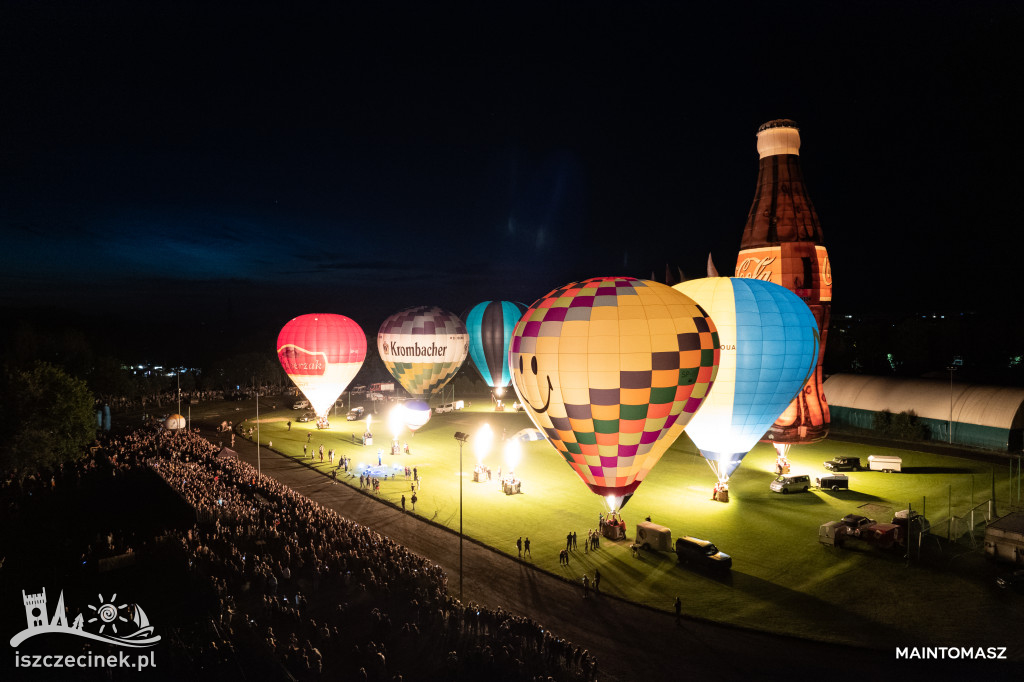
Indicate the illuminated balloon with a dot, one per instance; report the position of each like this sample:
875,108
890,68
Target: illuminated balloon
417,414
490,326
423,348
769,346
606,368
321,353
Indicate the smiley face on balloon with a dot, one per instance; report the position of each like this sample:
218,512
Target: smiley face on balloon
606,368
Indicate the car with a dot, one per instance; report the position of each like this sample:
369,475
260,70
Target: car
856,522
787,483
701,553
308,417
1014,580
843,464
301,405
354,414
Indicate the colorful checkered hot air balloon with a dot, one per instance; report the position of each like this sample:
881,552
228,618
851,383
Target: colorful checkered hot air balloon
321,353
608,369
769,349
423,348
490,326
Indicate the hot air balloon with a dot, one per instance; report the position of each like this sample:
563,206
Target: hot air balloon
769,344
423,348
417,414
490,326
606,368
321,353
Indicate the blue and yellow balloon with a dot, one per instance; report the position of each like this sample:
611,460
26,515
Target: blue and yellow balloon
769,349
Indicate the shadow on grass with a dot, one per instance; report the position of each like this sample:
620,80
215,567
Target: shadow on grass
851,495
832,621
785,501
938,470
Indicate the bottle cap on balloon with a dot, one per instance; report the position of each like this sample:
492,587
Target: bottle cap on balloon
780,136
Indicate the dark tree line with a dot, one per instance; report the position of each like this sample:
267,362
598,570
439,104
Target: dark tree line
989,345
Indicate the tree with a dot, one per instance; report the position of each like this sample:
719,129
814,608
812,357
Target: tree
46,418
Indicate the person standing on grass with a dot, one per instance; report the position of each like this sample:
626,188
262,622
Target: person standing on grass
414,498
403,502
679,610
519,546
597,581
526,548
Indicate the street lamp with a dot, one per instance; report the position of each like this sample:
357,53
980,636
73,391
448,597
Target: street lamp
259,468
462,438
951,368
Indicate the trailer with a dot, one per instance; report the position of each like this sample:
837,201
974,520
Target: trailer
886,463
1004,538
652,536
832,533
834,482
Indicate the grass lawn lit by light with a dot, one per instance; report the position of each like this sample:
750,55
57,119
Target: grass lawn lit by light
782,579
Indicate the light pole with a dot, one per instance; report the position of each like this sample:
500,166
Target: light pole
462,438
951,368
259,469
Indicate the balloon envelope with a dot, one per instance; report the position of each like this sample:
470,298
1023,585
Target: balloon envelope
490,325
423,348
606,368
321,353
417,414
769,344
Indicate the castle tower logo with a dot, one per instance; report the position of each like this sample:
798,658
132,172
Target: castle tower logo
107,621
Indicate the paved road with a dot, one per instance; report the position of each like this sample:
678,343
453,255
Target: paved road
631,642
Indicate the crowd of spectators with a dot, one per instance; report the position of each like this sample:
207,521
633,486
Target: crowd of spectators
161,399
302,592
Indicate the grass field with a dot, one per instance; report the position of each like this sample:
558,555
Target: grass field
782,579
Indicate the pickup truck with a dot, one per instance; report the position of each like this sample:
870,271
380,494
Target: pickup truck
883,535
843,464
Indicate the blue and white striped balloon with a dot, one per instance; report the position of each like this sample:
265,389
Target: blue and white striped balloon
769,349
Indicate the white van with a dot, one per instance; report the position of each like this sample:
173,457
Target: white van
886,463
788,483
301,405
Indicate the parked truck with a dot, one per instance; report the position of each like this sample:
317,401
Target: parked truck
883,535
843,464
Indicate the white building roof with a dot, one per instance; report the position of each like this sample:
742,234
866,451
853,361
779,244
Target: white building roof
995,406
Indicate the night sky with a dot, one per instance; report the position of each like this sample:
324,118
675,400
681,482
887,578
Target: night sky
234,167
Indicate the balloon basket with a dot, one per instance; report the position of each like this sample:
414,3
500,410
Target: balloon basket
720,494
613,527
